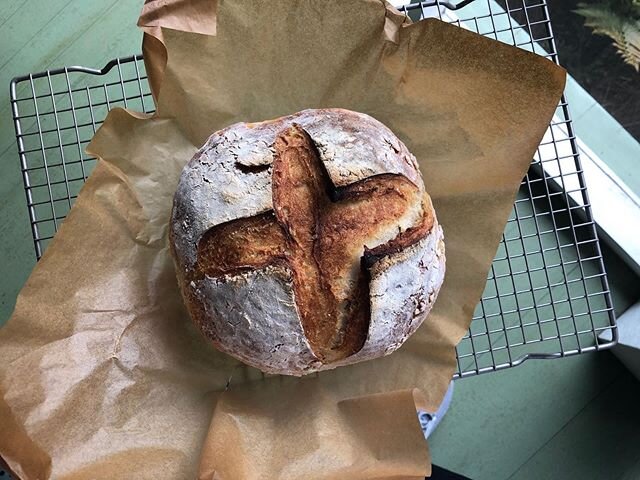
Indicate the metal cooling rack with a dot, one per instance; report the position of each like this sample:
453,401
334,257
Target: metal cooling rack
547,294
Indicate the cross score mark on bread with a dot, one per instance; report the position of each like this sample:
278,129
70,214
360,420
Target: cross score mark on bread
319,232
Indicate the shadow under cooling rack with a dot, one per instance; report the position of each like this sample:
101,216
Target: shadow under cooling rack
546,295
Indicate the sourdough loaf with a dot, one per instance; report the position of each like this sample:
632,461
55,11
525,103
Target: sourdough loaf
306,242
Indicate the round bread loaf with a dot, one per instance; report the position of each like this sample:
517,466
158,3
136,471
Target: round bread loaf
306,242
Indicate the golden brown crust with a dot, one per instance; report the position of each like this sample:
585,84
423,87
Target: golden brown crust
300,195
405,239
239,245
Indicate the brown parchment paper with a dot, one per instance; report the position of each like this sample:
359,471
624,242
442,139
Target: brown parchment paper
104,375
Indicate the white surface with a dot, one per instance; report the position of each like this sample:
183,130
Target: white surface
616,209
628,348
